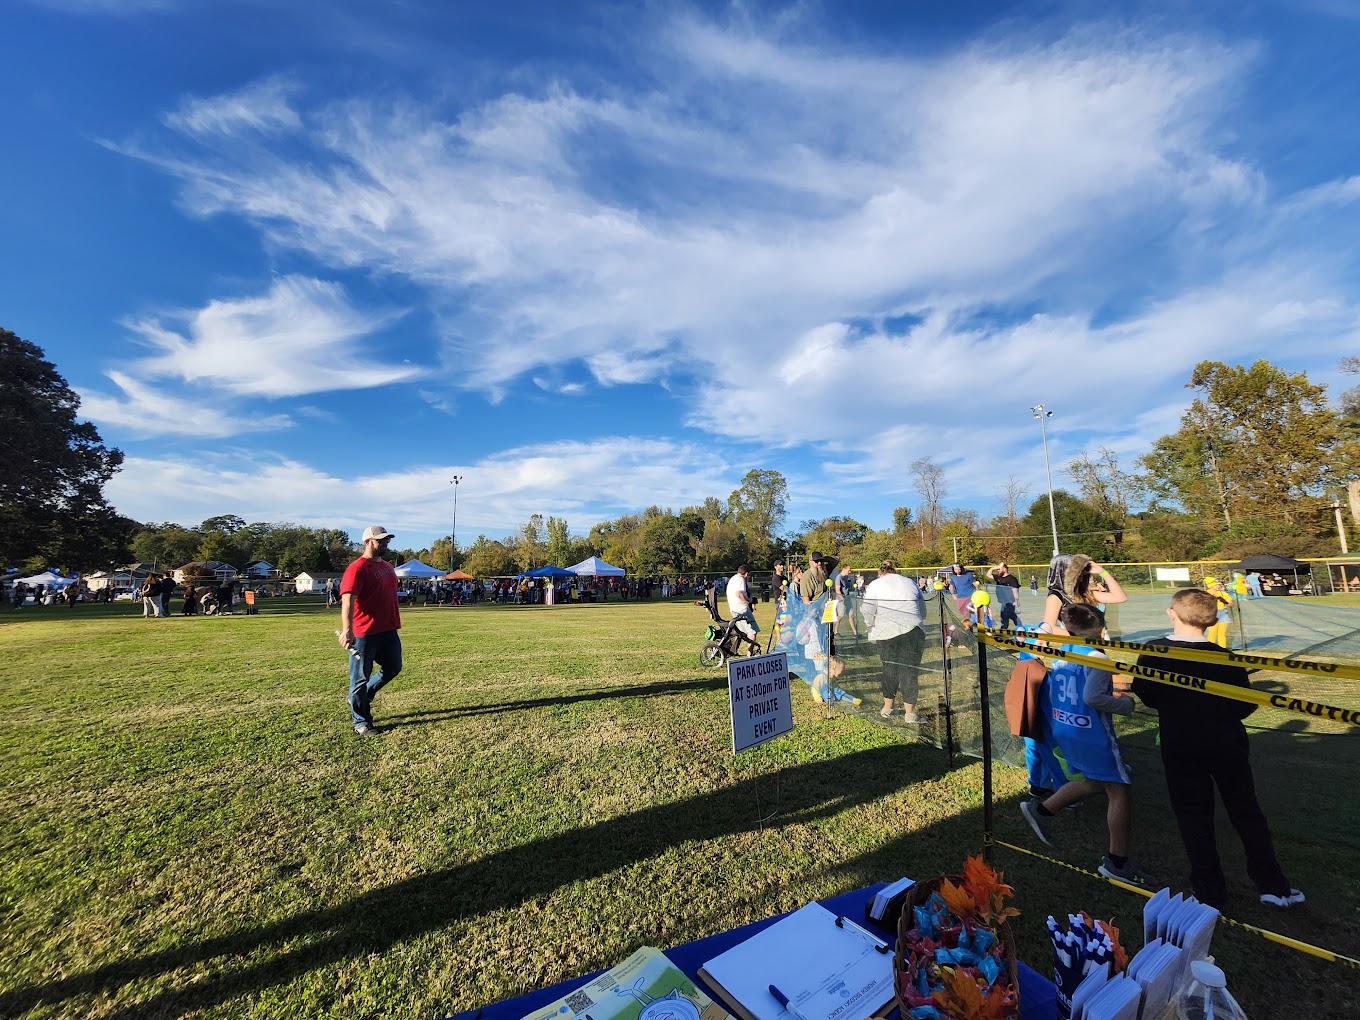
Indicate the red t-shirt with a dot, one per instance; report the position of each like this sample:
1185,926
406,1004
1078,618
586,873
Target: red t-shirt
373,583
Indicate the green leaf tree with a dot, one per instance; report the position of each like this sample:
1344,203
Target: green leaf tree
53,467
487,557
666,547
1253,438
559,543
757,508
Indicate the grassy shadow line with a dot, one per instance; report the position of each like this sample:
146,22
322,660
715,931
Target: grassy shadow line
376,920
603,694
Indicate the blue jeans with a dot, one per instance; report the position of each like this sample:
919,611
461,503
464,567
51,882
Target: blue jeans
384,649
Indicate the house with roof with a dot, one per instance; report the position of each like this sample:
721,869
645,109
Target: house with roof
206,568
315,580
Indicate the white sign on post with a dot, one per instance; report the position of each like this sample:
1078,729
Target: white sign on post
762,707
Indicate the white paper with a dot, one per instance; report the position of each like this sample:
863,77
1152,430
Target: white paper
829,973
1151,909
1090,985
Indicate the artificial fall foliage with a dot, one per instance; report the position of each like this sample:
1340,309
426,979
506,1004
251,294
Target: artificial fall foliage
1121,955
988,892
961,997
960,923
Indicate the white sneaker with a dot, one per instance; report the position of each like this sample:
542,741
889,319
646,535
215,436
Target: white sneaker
910,717
886,712
1294,898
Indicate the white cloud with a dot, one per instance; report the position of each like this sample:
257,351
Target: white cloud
146,411
741,219
776,189
581,481
303,336
262,107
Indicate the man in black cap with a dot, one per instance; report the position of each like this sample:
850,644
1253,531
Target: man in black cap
777,583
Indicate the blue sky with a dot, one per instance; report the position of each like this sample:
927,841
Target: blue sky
308,261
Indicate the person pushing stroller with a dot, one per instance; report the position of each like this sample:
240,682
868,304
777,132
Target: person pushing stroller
741,608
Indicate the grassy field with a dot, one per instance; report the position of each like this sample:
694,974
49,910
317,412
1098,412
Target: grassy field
193,828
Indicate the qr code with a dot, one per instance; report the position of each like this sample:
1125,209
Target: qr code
579,1002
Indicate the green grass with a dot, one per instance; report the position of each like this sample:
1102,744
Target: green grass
193,829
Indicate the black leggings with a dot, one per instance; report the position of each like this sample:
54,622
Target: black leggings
901,658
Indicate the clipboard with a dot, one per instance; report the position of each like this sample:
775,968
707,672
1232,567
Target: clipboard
814,960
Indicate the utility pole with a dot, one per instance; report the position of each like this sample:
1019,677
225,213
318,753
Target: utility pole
1043,414
1341,529
453,535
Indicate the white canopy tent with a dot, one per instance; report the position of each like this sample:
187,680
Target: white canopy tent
414,568
48,577
596,567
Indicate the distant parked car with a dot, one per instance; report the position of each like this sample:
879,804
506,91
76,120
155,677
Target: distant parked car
125,596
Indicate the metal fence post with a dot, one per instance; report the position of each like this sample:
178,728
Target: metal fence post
948,704
986,749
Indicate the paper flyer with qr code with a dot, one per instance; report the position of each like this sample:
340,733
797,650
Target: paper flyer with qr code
646,986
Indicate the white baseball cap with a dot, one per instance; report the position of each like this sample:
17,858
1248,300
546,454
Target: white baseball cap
377,533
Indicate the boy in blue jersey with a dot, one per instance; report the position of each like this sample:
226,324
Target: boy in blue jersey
1082,705
1045,771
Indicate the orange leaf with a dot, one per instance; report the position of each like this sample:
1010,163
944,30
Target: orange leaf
958,902
960,996
997,1005
988,891
1121,956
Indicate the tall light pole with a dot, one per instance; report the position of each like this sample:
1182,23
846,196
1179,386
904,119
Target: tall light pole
453,535
1043,414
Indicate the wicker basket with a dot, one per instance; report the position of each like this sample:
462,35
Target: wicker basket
917,896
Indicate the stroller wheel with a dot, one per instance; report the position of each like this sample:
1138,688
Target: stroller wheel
712,655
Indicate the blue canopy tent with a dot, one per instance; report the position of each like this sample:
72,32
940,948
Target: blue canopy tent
548,572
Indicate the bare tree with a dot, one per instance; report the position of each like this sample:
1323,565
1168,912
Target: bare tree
1104,485
929,482
1008,524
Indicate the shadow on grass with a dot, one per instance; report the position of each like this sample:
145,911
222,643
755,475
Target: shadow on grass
376,920
433,715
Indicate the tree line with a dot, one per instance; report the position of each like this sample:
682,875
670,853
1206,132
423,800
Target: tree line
1258,462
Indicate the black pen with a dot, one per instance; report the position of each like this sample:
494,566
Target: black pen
845,924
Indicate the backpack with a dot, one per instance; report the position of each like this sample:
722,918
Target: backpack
1022,697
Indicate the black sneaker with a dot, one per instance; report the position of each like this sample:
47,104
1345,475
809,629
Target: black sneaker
1128,873
1037,822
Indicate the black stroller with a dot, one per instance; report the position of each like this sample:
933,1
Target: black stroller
724,638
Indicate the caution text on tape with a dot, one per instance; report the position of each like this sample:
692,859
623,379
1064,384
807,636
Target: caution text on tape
1283,702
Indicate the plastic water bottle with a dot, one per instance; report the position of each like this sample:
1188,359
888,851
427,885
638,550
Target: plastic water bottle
1207,996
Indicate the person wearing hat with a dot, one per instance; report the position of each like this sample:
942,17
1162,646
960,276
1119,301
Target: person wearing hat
369,622
812,584
777,582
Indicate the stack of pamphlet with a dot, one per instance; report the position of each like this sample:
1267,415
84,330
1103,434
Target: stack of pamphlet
646,986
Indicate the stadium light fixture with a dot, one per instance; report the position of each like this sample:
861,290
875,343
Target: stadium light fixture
1043,414
453,535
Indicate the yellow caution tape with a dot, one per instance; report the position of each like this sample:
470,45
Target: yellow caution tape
1276,937
1298,706
1278,664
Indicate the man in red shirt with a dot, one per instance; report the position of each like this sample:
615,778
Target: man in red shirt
369,622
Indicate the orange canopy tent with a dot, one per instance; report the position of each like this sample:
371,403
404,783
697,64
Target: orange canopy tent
459,575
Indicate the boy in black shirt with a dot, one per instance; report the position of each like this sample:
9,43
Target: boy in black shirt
1205,744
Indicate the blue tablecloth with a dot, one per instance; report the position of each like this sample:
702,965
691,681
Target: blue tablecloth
1038,999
